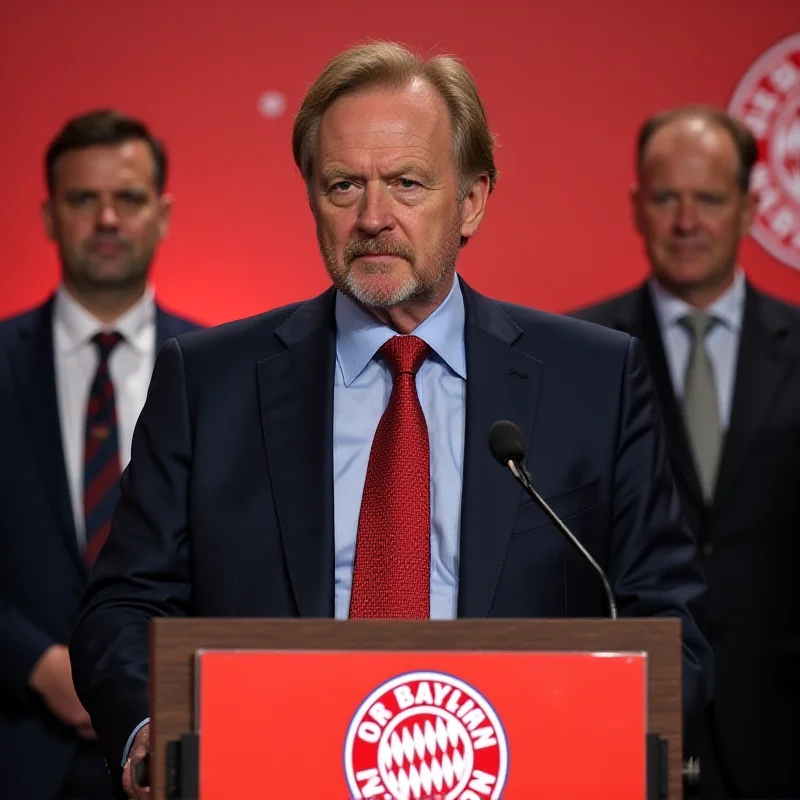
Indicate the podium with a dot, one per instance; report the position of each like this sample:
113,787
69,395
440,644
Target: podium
469,709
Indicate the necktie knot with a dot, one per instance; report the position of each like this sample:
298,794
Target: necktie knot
405,354
698,323
106,342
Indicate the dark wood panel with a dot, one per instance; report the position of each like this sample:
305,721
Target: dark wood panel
175,641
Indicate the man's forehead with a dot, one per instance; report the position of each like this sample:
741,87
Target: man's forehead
379,144
127,161
385,125
688,140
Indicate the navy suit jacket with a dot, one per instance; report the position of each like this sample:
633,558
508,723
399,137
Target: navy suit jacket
42,573
227,506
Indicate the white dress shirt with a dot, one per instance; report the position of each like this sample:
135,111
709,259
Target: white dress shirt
130,367
722,341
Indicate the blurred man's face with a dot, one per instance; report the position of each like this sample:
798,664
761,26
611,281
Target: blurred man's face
385,197
106,216
689,207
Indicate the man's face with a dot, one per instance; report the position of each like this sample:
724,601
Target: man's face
689,207
385,196
106,216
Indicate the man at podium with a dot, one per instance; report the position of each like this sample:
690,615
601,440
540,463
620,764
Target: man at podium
331,458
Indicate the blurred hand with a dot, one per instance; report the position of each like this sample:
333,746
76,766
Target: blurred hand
139,748
51,677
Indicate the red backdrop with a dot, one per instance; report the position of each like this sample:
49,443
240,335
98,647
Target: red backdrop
565,84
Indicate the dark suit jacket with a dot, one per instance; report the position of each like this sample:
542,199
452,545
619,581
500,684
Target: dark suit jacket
42,574
227,507
749,538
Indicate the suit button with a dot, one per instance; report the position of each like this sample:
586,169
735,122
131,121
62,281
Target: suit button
708,549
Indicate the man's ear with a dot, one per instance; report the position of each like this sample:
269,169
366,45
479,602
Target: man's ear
473,206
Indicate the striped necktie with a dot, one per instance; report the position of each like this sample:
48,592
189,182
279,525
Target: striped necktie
101,464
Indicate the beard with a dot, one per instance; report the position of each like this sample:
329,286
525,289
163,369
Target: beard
423,281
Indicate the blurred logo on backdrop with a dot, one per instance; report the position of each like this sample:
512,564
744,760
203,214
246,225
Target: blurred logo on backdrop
426,735
767,100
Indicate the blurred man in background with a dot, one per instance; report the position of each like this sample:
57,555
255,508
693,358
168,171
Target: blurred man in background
726,364
74,373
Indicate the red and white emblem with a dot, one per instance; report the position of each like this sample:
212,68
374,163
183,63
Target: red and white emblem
767,100
425,735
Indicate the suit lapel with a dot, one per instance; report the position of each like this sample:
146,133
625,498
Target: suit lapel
33,366
296,401
761,368
502,383
643,324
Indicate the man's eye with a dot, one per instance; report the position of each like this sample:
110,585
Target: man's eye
133,198
660,198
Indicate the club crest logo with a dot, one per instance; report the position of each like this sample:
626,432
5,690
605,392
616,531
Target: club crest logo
425,735
767,100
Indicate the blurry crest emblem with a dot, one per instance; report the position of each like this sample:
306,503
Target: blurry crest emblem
425,736
767,100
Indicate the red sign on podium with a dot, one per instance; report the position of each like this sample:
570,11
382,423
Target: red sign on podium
416,725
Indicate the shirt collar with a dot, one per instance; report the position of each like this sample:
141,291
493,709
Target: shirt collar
77,325
360,334
728,307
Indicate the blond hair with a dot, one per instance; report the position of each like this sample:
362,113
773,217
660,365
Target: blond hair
391,65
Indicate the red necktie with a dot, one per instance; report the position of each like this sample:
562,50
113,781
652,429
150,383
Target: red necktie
392,569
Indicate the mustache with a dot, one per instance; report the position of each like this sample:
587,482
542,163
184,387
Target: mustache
377,247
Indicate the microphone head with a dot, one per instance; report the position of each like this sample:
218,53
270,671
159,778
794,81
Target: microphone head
506,442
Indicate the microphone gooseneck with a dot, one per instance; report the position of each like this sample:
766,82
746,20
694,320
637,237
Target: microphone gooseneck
507,444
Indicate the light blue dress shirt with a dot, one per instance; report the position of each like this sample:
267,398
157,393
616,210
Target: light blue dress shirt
722,341
362,386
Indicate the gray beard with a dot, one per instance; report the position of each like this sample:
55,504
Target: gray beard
410,291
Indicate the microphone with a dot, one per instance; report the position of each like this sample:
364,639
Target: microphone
507,444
